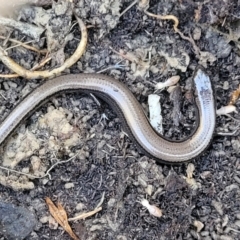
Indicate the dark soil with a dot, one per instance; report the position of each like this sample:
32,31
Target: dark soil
109,167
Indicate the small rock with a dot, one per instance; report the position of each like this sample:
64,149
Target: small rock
142,180
36,163
149,190
226,85
225,237
231,187
121,237
16,223
69,185
199,225
218,206
12,84
44,219
197,33
236,145
52,223
111,202
80,206
225,221
206,174
237,223
205,233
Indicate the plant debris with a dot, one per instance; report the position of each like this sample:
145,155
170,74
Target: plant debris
60,216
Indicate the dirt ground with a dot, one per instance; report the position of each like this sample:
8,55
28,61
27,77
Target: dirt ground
106,169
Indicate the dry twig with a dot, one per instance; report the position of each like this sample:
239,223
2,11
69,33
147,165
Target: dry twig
166,17
43,51
15,67
175,27
85,215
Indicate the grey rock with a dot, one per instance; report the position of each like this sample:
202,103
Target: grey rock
16,223
218,45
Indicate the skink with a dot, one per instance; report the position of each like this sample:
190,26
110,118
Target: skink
129,111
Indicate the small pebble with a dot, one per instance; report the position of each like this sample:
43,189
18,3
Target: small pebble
36,163
12,84
199,225
225,237
237,215
80,206
149,190
205,233
197,33
237,223
52,223
69,185
218,206
44,219
226,85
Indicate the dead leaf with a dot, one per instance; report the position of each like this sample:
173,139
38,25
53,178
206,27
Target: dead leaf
234,96
60,216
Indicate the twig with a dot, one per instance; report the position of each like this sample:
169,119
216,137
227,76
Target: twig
37,66
85,215
116,66
15,67
125,10
24,45
234,119
3,96
175,27
228,133
166,17
41,64
13,75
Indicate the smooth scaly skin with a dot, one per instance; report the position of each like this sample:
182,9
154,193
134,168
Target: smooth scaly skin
130,111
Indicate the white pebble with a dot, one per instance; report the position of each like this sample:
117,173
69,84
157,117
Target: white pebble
155,112
199,225
69,185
